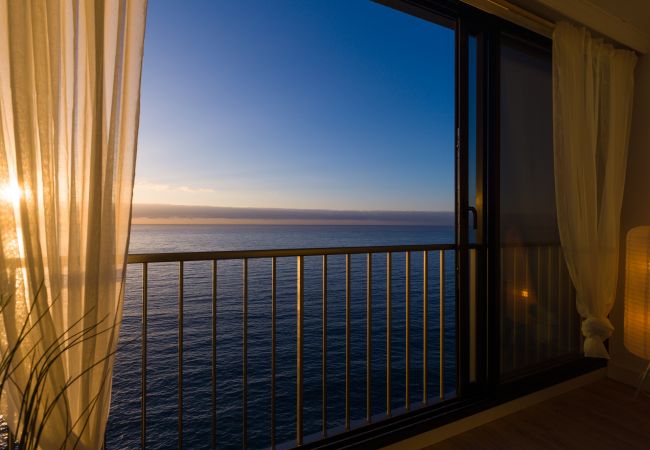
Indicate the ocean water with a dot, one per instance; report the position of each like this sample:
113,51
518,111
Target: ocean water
162,367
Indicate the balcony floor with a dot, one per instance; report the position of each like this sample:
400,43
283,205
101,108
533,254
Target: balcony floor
602,415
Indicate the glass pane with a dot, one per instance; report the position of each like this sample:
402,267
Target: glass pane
539,321
311,124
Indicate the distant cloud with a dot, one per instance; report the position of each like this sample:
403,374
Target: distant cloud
157,213
159,187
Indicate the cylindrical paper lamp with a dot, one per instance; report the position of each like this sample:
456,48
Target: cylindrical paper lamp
637,292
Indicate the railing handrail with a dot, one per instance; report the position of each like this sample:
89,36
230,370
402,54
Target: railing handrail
139,258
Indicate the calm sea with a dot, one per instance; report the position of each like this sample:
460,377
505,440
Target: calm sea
124,422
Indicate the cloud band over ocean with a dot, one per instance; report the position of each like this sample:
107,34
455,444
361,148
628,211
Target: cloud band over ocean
180,214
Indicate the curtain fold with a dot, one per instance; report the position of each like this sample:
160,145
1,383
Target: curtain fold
593,85
69,107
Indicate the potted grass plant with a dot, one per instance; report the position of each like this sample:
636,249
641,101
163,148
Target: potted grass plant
29,412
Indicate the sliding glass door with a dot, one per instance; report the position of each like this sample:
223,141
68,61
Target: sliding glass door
516,302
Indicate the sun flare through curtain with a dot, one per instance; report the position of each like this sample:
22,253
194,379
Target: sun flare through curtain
593,85
69,107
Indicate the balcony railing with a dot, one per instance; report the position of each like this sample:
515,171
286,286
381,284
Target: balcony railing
435,252
538,316
383,285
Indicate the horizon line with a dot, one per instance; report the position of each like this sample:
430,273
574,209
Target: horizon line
151,213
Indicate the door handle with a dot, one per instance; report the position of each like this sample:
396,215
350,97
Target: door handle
474,217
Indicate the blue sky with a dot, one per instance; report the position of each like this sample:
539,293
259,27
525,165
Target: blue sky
325,104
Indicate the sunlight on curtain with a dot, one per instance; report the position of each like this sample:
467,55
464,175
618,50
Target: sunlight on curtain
69,106
593,84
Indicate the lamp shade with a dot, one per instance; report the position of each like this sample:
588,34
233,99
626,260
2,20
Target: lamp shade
637,292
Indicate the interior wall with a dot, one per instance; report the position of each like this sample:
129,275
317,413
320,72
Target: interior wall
623,365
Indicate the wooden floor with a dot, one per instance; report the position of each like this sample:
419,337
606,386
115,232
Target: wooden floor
602,415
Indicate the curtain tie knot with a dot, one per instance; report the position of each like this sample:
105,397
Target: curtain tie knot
596,330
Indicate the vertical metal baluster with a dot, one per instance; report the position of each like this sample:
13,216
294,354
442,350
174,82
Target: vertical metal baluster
559,308
214,354
143,382
515,308
502,309
347,342
369,340
273,344
299,347
389,264
425,321
549,290
442,324
180,354
526,304
324,351
245,356
569,306
407,393
538,309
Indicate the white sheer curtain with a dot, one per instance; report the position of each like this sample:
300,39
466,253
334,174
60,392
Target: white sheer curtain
69,106
593,85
